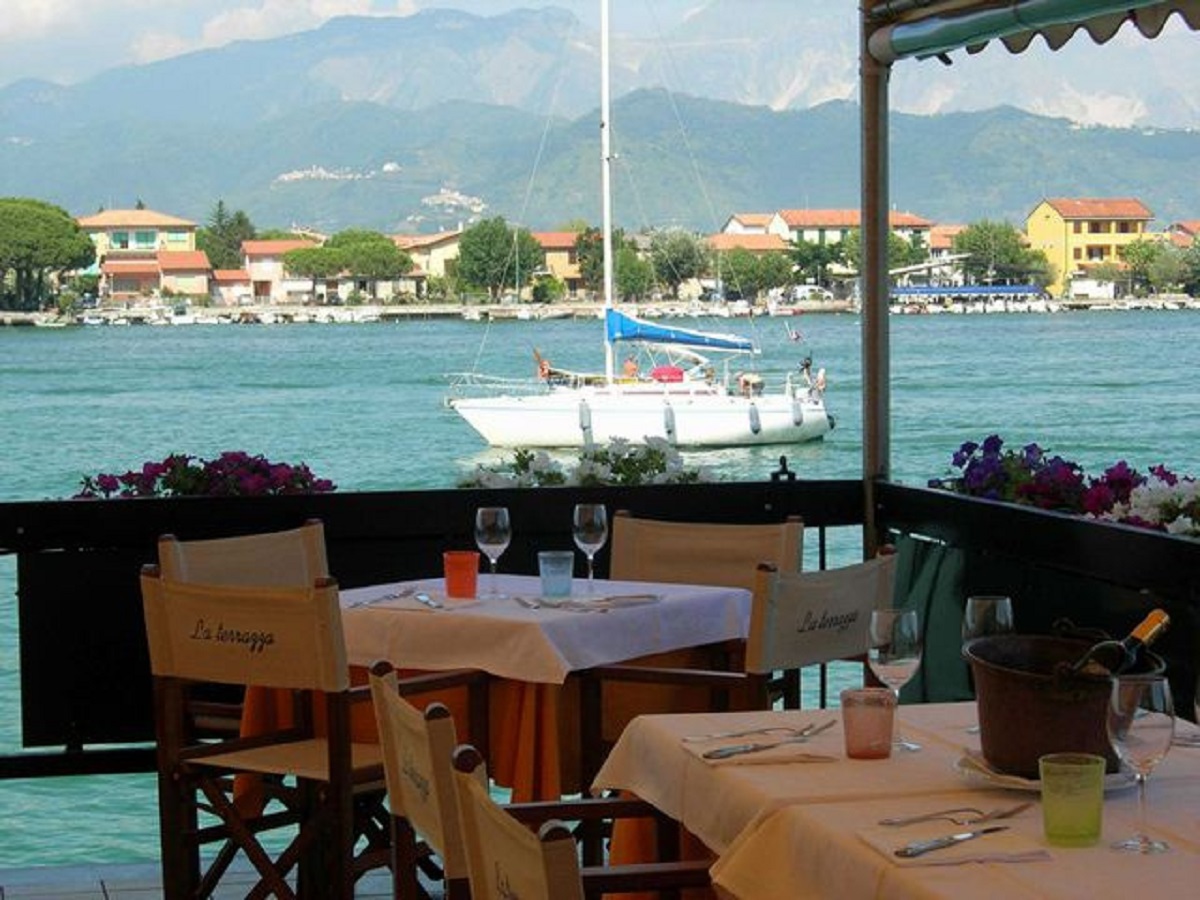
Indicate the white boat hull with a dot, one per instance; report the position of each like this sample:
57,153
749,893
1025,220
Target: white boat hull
573,418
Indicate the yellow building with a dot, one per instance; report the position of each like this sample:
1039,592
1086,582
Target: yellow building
561,258
1079,233
137,233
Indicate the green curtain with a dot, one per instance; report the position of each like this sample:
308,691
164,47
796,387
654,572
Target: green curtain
930,579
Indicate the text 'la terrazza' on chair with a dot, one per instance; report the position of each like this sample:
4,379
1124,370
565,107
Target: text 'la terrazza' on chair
319,785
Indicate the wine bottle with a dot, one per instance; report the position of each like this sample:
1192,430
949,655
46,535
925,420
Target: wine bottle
1114,657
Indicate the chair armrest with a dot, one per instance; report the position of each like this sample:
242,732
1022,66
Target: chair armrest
646,877
434,681
585,808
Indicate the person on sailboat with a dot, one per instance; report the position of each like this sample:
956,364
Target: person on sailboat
630,368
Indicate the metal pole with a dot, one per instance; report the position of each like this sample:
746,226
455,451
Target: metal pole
606,183
876,356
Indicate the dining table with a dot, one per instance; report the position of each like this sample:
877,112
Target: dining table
801,820
531,644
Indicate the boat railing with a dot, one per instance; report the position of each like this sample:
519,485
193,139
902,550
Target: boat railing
474,384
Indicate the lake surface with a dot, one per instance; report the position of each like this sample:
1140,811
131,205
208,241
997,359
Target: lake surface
363,405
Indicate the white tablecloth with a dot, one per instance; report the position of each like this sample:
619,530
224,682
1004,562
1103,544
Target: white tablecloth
543,645
797,830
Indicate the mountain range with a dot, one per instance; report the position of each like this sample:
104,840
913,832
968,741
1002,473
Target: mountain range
428,121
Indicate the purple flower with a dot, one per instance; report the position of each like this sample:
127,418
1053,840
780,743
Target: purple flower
232,473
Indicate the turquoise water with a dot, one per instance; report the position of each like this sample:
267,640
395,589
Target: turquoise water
362,404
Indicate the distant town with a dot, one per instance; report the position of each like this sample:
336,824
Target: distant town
155,268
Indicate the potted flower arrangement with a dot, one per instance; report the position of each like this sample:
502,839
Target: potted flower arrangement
234,473
1158,499
618,463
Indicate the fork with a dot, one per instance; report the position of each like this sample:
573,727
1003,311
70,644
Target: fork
739,749
382,598
768,729
963,815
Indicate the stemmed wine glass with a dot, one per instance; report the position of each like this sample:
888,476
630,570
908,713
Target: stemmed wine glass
983,616
590,530
1141,724
894,654
492,536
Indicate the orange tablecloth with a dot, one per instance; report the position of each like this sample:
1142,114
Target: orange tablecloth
530,736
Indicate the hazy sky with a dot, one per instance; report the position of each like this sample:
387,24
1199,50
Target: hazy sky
69,40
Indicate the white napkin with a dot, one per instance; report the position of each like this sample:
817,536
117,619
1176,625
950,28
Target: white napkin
784,753
1002,846
972,763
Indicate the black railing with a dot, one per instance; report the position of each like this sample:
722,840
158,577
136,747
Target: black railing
84,671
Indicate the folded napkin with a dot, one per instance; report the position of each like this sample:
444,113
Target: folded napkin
974,767
1002,846
783,753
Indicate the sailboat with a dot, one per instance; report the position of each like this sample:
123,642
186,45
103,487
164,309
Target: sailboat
683,398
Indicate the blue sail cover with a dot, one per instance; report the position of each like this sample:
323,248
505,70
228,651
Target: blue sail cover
624,327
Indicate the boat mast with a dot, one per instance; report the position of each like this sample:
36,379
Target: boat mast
606,186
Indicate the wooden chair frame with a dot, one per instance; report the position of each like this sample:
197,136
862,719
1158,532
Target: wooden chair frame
549,856
330,788
776,643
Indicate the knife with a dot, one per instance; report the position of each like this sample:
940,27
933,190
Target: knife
916,848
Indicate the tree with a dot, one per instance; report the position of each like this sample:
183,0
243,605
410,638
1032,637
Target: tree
37,241
633,275
547,289
589,250
1167,270
811,260
370,256
1140,256
1191,270
901,251
1106,273
315,263
997,254
221,239
677,256
495,257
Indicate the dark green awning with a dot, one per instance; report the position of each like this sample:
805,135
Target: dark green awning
924,28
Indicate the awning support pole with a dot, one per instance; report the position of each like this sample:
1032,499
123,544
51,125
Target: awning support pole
876,355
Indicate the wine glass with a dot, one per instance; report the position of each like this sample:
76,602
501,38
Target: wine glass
894,654
1141,724
590,530
492,536
983,616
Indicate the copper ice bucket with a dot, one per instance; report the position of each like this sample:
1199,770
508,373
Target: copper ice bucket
1030,703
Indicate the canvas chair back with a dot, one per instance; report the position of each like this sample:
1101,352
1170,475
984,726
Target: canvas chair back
504,857
295,557
417,749
283,637
701,552
800,619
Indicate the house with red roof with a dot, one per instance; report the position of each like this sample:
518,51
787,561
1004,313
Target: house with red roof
129,244
230,287
1183,234
830,226
560,258
1079,233
270,282
433,255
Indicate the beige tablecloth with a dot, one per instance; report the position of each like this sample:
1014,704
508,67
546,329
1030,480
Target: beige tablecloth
804,830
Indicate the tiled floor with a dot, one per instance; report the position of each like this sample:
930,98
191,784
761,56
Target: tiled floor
135,882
